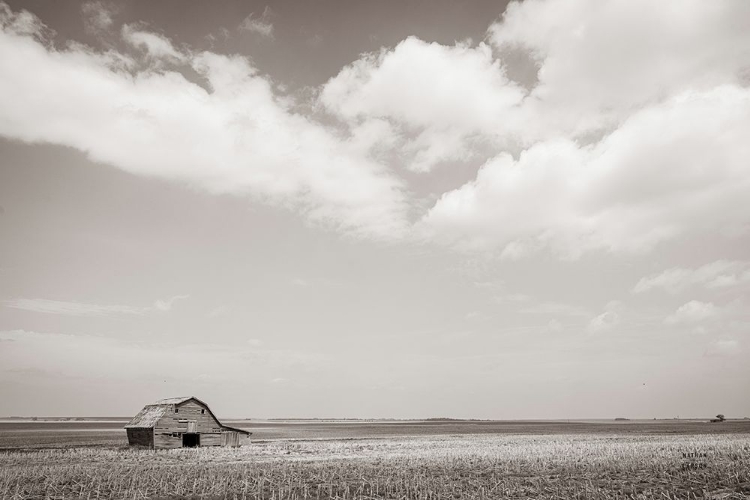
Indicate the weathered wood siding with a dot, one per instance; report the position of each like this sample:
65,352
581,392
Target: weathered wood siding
230,438
170,427
211,439
166,441
141,437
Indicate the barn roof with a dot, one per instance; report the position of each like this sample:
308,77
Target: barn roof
235,429
150,414
173,401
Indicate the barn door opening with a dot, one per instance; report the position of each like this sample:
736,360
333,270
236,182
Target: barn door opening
191,440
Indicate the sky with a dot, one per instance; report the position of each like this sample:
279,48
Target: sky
467,209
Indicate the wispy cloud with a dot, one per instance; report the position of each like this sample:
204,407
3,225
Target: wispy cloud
261,25
66,308
157,46
608,320
692,312
604,322
717,274
723,347
98,16
475,316
166,305
84,355
219,310
72,308
315,40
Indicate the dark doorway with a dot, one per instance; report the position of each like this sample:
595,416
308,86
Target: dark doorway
190,440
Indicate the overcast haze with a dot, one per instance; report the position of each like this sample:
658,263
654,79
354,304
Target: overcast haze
376,209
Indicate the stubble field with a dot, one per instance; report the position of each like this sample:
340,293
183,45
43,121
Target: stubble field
645,462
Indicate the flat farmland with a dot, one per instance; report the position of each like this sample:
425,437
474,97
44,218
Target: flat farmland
21,434
386,459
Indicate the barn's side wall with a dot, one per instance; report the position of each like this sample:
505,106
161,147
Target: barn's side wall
166,441
230,438
170,427
141,437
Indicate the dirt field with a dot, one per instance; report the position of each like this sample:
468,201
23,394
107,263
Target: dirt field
408,460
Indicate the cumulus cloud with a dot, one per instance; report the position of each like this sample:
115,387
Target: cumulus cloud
692,312
236,136
718,274
600,61
439,97
671,169
632,134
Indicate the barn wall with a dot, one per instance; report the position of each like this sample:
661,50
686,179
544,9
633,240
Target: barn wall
168,429
141,437
170,421
167,441
211,439
230,438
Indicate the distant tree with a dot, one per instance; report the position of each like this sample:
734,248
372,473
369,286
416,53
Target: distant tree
720,417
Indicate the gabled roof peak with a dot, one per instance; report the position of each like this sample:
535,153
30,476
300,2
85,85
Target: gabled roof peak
174,401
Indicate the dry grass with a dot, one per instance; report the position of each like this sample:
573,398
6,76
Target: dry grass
573,466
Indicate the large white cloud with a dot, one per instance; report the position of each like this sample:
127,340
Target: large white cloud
632,135
670,169
599,61
235,137
439,96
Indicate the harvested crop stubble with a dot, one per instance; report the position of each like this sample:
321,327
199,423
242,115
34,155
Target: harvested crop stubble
487,466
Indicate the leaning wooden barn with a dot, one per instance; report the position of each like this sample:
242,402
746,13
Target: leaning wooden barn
180,423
